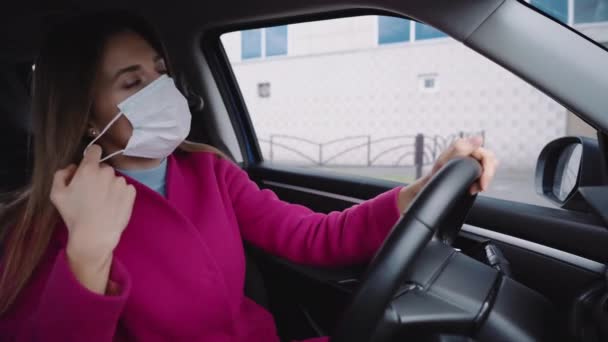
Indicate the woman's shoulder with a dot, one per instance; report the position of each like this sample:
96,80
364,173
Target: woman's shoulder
204,156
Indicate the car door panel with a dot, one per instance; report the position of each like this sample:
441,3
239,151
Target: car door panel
537,242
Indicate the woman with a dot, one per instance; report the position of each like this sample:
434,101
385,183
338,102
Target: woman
142,235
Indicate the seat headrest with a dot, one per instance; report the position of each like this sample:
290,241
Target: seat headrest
15,104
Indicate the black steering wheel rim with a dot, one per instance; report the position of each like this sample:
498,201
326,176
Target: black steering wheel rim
440,200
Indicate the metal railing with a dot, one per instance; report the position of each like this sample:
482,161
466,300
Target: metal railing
406,150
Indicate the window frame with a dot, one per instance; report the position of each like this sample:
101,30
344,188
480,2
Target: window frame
251,149
566,25
228,85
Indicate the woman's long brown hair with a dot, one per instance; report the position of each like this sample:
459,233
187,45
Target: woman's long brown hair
62,98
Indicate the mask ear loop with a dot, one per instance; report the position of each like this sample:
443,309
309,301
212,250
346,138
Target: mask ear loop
111,155
99,136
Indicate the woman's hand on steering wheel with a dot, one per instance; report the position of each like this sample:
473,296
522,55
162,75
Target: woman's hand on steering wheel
463,147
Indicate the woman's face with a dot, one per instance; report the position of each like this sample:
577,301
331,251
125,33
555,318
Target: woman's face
128,64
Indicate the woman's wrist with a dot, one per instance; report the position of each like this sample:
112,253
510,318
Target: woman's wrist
91,269
409,192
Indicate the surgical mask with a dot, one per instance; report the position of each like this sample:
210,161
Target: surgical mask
160,117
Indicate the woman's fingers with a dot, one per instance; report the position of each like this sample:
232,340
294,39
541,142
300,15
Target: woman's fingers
476,140
475,188
471,147
488,163
462,147
62,179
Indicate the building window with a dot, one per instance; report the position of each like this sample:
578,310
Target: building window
427,32
251,44
393,30
590,11
396,30
276,41
428,83
267,42
558,9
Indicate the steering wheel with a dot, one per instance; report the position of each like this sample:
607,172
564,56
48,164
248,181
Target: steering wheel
436,213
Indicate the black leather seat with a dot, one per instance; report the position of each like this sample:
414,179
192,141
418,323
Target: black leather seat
15,127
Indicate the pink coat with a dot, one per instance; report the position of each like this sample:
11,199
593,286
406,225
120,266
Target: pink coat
179,268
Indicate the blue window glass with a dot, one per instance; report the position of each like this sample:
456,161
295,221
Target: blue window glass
276,41
427,32
251,44
558,9
590,11
393,30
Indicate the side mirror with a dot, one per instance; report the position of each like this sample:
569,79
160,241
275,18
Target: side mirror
566,172
566,165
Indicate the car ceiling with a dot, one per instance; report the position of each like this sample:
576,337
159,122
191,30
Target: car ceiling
23,26
554,59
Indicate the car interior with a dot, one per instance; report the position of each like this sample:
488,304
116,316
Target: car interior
454,268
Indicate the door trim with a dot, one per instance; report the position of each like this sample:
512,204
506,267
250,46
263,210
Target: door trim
557,254
569,258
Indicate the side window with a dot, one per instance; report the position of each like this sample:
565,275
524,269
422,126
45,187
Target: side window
382,97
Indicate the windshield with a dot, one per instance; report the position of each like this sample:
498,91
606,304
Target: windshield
589,17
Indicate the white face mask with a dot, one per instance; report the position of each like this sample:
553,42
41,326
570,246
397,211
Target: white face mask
160,117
